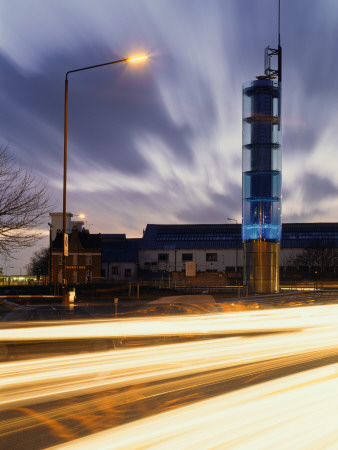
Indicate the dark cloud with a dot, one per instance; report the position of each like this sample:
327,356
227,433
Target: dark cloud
299,137
303,216
316,188
27,107
123,106
109,111
216,210
309,39
185,101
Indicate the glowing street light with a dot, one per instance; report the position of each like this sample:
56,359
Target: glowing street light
137,58
65,235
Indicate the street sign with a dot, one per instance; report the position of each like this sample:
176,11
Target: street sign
190,269
65,244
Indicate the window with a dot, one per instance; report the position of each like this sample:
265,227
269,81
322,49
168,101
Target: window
163,256
88,260
211,257
60,260
75,276
75,259
127,273
89,276
187,257
200,236
114,270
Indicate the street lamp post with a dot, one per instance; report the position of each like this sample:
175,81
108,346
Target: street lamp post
50,254
81,216
236,268
64,213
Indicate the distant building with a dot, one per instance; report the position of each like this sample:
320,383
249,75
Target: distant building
119,257
92,257
83,264
299,236
219,248
214,248
57,223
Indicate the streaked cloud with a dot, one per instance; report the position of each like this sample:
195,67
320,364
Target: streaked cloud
161,141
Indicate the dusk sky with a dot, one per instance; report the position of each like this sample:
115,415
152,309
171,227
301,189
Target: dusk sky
160,141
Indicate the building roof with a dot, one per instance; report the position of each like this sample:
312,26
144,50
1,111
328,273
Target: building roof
310,235
112,237
116,249
87,240
202,236
228,236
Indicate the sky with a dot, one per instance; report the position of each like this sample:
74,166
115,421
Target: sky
160,141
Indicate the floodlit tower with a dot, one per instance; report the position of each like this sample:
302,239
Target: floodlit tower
262,177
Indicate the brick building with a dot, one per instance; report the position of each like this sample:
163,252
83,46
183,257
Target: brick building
83,263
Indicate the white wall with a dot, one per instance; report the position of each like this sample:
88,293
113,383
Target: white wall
121,267
225,258
57,222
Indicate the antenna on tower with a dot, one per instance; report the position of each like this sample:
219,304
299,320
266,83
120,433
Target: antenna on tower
269,52
279,47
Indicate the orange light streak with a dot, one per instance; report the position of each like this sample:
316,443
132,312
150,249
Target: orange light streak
246,321
298,411
286,407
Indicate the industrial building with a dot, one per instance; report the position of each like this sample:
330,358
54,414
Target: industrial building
210,248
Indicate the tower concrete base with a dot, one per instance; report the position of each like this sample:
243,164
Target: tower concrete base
261,267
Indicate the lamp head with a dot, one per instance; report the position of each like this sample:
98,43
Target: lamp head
137,58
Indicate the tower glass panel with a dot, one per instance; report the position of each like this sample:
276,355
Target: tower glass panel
262,162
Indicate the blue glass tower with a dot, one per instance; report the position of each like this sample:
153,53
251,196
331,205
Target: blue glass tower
262,178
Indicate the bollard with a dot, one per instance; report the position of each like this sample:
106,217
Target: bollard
70,296
116,301
138,291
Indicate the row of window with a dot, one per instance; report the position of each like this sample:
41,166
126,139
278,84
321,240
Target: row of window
115,271
164,257
312,231
308,236
198,236
287,234
75,276
88,260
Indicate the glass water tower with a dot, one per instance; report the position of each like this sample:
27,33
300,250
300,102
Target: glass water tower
262,178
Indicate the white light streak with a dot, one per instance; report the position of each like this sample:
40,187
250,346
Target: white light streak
299,411
246,321
291,411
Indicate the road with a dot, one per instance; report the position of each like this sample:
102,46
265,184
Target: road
250,379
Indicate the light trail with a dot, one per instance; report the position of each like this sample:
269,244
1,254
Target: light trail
299,412
163,377
236,322
47,379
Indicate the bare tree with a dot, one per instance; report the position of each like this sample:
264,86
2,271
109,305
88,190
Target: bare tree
321,256
24,204
38,264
